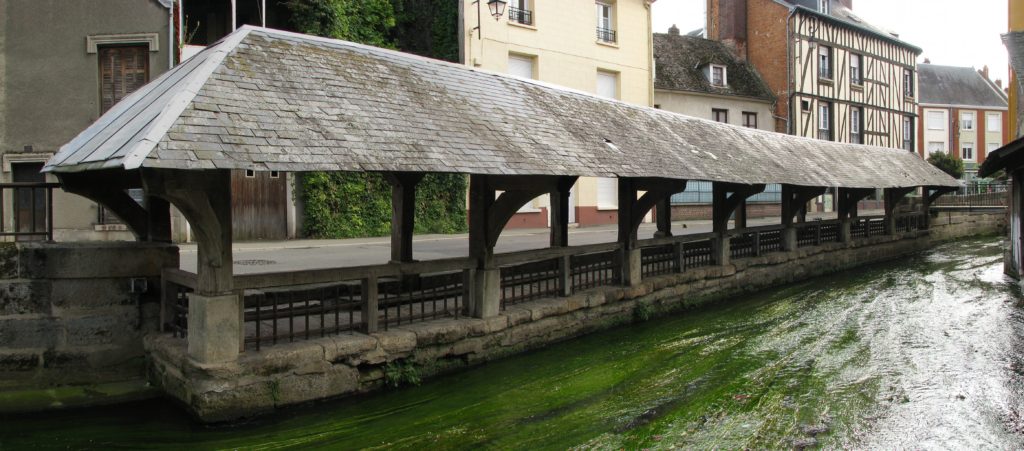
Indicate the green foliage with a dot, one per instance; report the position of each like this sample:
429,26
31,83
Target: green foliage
348,205
363,21
643,312
275,390
947,163
400,372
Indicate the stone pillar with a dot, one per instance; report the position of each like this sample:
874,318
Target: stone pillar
631,267
486,293
789,242
214,327
844,230
721,249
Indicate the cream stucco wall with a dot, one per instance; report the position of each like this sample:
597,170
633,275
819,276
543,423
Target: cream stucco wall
937,134
700,105
565,50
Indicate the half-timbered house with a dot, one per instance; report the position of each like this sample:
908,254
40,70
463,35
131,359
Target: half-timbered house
836,77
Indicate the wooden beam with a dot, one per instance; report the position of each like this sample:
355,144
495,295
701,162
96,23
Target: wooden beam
632,210
109,190
403,213
204,197
795,199
848,198
560,212
726,197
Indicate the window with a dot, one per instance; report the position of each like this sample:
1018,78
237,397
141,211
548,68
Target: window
607,84
605,31
718,75
967,120
519,12
908,133
275,174
993,122
908,82
856,76
250,173
805,106
825,121
967,151
936,120
749,119
856,121
123,69
823,6
825,62
720,115
521,66
991,147
936,147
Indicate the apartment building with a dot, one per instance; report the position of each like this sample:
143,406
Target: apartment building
603,47
964,114
836,77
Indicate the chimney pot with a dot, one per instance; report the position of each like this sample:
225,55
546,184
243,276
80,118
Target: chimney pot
999,83
984,71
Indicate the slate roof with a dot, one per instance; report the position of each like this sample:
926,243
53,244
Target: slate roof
846,17
1010,156
272,100
950,85
1014,42
679,66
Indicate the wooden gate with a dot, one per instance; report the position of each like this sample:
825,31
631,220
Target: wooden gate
259,205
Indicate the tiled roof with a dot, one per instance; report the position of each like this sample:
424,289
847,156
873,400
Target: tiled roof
272,100
680,62
949,85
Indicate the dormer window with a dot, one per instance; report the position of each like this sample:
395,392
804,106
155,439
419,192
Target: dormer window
718,76
823,6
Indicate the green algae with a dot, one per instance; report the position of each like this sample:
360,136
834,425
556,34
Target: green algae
911,353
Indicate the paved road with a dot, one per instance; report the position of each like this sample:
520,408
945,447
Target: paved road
297,255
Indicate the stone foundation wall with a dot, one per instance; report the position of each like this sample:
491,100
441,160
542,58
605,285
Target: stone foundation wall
282,375
69,314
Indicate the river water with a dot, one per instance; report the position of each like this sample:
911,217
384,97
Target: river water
925,352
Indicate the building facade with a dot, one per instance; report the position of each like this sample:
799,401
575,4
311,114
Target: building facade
836,77
64,64
601,47
963,113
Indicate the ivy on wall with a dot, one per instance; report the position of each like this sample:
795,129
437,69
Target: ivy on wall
347,205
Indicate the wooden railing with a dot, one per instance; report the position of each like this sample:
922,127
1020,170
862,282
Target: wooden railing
298,305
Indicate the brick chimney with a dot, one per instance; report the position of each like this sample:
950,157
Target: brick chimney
984,71
999,83
731,25
673,30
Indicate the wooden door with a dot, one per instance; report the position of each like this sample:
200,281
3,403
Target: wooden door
259,205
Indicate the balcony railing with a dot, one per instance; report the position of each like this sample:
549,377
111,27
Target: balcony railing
523,16
605,35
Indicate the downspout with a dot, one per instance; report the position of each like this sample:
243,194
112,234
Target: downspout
789,69
650,55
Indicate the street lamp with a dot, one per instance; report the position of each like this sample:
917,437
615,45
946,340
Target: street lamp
497,8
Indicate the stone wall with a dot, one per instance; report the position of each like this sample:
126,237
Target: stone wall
74,314
346,364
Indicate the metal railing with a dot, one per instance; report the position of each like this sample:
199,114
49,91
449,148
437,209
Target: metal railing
523,16
606,35
976,196
290,306
31,205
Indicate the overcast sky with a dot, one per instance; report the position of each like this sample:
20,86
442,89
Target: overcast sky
951,32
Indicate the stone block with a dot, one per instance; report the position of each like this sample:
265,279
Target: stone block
344,347
113,325
8,261
396,340
214,327
91,293
442,331
517,316
30,331
20,360
20,296
95,259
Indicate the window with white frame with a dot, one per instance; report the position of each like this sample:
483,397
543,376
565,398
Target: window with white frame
823,6
908,82
605,21
967,120
825,62
608,84
856,76
521,66
519,12
718,75
967,151
994,122
825,121
936,120
856,121
936,147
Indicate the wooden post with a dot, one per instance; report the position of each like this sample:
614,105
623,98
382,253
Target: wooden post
486,297
403,213
726,199
560,212
158,219
370,305
215,326
663,217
